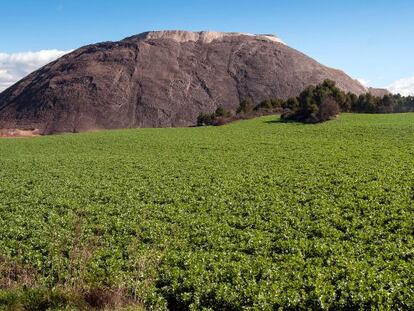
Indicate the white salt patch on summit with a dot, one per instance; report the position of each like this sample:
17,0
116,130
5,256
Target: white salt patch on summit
203,36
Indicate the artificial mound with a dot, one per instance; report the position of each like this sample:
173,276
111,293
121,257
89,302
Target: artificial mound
160,79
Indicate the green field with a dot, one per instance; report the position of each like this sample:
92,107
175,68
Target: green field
257,215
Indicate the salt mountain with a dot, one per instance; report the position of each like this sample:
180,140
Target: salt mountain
159,79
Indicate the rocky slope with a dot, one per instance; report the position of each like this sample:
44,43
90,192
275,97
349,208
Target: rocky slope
159,79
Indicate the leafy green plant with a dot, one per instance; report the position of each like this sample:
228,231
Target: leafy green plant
256,215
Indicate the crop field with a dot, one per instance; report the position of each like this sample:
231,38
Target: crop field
255,215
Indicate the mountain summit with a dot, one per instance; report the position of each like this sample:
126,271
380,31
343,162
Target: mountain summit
203,36
159,79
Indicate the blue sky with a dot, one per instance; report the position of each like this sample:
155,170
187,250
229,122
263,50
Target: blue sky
369,39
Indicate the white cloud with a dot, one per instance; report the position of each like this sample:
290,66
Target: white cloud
363,81
14,66
404,87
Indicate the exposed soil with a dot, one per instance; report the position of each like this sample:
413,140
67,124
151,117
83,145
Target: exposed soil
16,133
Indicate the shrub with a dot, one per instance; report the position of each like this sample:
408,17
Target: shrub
291,104
205,119
270,105
328,110
246,106
277,102
222,113
216,118
266,104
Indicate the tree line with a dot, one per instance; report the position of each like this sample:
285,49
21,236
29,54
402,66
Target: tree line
315,104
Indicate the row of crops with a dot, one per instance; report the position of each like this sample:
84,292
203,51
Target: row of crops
256,215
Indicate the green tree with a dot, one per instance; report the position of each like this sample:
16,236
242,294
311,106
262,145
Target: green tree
316,103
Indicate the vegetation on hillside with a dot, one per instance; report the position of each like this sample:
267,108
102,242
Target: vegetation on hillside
257,215
315,104
214,118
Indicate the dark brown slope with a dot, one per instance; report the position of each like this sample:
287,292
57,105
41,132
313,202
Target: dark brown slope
159,79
